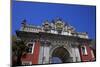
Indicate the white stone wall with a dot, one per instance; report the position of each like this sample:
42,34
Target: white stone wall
44,55
76,54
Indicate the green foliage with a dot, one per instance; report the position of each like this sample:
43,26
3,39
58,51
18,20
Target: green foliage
18,48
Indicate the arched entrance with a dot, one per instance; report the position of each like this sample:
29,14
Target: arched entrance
60,55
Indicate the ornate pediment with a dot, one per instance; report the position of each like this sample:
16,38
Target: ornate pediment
56,26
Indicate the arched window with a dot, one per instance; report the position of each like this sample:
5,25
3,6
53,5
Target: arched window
30,46
84,50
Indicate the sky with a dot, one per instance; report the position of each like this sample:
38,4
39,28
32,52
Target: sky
83,18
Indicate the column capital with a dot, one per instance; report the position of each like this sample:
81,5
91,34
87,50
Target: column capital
45,42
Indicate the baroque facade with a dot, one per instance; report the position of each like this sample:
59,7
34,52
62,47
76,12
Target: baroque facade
54,42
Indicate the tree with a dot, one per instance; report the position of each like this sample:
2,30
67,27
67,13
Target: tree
18,48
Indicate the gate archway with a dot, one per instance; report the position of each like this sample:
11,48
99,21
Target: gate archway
60,55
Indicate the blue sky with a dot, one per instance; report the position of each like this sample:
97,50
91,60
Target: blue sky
83,18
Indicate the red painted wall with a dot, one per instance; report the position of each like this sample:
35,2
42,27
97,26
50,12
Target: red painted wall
27,57
36,52
87,57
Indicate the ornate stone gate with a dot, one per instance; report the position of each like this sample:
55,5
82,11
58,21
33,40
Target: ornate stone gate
57,39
